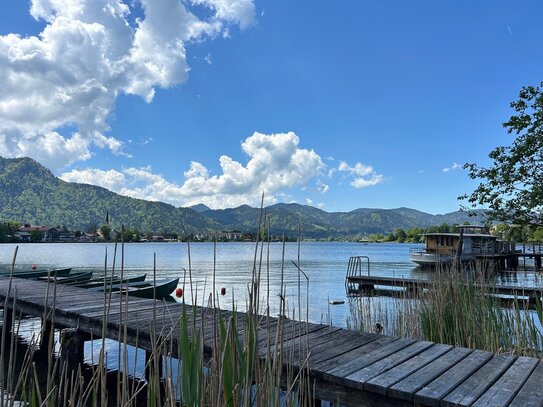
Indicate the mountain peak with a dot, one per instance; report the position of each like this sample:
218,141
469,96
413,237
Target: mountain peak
200,208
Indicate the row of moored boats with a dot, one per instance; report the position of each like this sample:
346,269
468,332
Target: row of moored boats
136,286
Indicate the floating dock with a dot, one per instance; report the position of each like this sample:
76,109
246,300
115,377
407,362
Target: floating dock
348,367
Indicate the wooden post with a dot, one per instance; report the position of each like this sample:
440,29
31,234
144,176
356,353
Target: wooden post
151,363
47,330
72,348
7,320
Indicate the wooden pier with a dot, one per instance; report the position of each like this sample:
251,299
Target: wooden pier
351,368
368,283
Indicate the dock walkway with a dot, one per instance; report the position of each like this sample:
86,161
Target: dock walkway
370,282
353,368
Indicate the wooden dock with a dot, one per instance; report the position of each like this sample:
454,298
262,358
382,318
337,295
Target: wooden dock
350,367
362,283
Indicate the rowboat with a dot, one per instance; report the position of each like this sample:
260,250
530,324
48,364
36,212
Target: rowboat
161,290
69,279
110,281
146,289
37,273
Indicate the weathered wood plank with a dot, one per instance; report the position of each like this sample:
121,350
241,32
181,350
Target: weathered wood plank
382,382
474,386
531,394
339,346
507,386
358,378
363,345
432,393
366,356
406,388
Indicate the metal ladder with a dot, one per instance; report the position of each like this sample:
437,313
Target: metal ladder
354,269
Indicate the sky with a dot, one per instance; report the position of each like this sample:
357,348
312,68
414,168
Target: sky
335,104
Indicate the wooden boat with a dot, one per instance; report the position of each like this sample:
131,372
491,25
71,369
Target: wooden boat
38,273
161,291
109,281
145,289
69,279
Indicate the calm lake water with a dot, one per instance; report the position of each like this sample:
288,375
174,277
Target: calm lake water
324,263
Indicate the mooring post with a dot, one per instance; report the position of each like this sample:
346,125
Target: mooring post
7,320
151,364
47,331
72,345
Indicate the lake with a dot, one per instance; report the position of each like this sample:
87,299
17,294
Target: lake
324,263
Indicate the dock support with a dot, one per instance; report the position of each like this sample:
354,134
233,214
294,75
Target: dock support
7,320
72,344
47,333
153,365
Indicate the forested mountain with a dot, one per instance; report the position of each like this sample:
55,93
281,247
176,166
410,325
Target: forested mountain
31,193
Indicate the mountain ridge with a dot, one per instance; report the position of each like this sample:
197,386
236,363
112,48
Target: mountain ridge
31,193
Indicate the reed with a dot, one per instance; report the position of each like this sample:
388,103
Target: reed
455,310
244,366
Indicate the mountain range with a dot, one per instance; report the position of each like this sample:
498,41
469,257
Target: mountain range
30,193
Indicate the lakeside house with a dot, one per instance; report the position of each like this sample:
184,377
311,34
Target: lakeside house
60,234
29,233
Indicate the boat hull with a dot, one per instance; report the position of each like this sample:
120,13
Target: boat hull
426,259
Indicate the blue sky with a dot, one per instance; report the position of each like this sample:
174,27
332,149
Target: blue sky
340,105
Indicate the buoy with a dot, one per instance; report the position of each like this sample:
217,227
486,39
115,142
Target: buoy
223,291
178,292
33,267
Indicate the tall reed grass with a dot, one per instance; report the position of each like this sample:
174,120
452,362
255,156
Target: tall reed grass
461,308
202,358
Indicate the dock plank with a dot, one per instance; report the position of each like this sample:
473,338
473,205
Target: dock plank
363,345
382,382
406,388
432,393
507,386
531,394
475,385
359,378
365,357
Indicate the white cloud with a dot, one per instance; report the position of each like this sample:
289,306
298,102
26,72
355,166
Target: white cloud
110,179
275,163
88,53
363,175
323,188
453,167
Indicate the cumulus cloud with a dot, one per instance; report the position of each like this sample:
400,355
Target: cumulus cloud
275,163
88,53
363,175
453,167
